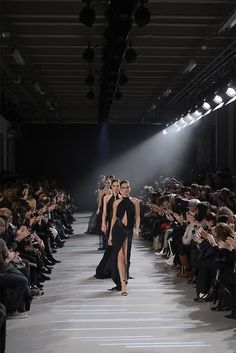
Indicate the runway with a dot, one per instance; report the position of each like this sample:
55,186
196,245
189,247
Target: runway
78,314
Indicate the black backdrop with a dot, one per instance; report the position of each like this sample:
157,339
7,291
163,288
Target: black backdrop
75,155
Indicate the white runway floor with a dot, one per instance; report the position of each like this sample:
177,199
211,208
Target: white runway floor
78,314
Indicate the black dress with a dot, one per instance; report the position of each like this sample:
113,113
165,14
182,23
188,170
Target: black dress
120,233
103,269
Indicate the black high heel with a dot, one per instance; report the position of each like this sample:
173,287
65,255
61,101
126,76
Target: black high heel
124,294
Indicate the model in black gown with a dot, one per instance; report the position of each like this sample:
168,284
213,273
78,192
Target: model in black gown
106,191
125,222
103,270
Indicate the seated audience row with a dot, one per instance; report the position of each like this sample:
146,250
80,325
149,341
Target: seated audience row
35,220
193,228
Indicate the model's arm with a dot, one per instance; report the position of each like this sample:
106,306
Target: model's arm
99,201
137,216
113,221
104,214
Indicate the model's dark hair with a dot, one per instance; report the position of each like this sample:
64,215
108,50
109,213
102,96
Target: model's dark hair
115,181
124,182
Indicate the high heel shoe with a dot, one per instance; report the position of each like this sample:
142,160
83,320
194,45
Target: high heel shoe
124,293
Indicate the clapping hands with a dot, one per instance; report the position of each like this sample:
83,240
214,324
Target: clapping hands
22,233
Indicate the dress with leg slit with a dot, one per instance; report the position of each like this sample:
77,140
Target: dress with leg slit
103,269
120,233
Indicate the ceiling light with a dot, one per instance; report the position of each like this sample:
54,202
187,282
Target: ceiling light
89,54
18,57
182,122
217,99
196,114
37,87
192,64
164,132
6,35
230,23
87,15
231,92
189,119
178,126
142,15
206,106
167,92
130,54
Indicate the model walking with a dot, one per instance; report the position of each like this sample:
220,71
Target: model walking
125,222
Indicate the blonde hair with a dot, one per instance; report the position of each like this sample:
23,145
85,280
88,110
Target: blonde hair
223,231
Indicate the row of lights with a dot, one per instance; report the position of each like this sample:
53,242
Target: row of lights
205,109
19,59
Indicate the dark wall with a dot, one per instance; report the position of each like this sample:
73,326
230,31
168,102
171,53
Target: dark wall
76,155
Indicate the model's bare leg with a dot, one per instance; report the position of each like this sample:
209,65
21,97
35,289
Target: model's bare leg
122,267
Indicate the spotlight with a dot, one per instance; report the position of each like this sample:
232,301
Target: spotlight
37,87
130,54
90,95
230,23
87,15
189,119
167,92
164,132
89,79
182,123
178,126
6,35
192,64
206,106
142,15
123,78
197,115
18,57
118,95
219,101
89,54
231,92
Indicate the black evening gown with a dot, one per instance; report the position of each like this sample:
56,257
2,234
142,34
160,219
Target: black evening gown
92,224
120,233
103,269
